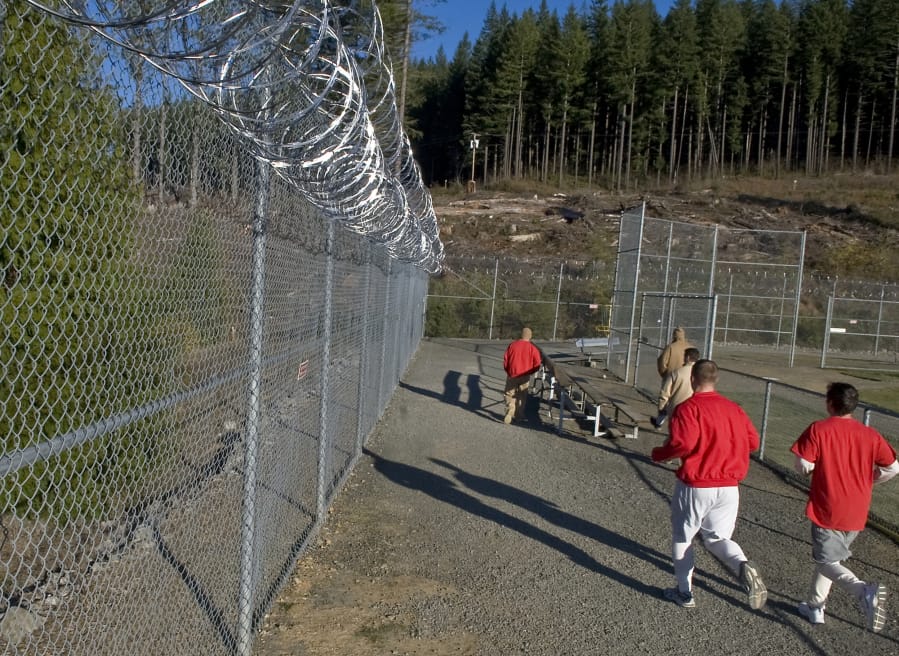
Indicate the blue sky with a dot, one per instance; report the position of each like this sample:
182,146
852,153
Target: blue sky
460,16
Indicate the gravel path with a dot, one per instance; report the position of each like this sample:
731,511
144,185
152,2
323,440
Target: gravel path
458,534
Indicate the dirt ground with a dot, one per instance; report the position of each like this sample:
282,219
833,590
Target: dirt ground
850,221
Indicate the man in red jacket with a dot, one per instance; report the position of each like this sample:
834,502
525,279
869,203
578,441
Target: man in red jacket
713,438
847,458
521,360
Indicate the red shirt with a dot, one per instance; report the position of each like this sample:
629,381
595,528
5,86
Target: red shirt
713,437
845,452
522,358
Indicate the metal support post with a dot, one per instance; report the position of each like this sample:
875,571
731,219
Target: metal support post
248,565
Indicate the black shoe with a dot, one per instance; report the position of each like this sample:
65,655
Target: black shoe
659,420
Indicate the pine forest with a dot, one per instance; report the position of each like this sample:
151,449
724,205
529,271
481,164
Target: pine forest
618,95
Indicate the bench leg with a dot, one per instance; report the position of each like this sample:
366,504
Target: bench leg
561,409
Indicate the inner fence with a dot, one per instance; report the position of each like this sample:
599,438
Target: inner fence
196,345
493,298
757,272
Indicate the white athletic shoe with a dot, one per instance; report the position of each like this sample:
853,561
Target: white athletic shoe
753,584
874,606
812,614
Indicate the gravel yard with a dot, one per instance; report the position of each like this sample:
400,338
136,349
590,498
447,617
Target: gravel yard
457,534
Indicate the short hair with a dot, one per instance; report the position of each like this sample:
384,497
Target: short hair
691,354
526,333
705,372
843,398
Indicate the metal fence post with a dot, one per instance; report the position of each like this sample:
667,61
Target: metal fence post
765,411
826,341
363,356
798,300
245,600
493,298
558,297
324,438
381,400
879,322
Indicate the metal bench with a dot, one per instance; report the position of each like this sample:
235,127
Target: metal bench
582,399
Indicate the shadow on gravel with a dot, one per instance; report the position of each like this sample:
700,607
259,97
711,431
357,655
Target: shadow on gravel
452,392
452,395
445,490
552,514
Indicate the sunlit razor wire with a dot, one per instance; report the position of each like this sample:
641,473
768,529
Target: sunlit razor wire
307,85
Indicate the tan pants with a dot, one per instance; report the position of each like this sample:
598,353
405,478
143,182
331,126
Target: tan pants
516,396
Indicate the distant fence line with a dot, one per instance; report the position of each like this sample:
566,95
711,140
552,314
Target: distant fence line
489,297
198,342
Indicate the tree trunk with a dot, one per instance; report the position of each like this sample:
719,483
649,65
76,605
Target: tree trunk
857,135
672,150
592,148
404,67
678,156
843,130
824,141
893,111
160,152
577,154
194,158
630,129
561,148
780,117
870,135
791,127
137,122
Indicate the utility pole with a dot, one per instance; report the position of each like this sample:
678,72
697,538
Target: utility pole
474,151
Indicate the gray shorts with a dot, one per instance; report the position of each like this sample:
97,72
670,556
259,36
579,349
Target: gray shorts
831,546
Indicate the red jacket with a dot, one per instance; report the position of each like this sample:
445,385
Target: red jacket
845,452
713,437
522,358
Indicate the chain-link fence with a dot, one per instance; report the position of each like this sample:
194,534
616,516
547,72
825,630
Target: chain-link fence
861,333
196,346
756,276
781,412
493,298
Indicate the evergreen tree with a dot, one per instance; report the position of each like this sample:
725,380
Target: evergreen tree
517,59
575,55
676,61
630,37
821,34
76,328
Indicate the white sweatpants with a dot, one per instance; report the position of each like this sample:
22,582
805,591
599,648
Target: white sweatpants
711,512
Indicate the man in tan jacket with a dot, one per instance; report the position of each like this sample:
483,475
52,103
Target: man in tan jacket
672,357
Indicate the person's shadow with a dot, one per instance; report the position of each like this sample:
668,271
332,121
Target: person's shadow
445,490
452,392
554,515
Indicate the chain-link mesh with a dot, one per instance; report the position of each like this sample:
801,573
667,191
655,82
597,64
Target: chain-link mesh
756,275
196,345
486,297
781,412
861,333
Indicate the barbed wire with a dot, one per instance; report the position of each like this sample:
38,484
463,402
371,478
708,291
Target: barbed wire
306,85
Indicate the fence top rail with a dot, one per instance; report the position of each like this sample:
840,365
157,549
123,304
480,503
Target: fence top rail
795,388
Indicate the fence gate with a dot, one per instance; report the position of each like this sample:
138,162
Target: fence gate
659,315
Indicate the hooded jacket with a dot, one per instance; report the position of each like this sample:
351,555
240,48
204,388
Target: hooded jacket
672,358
